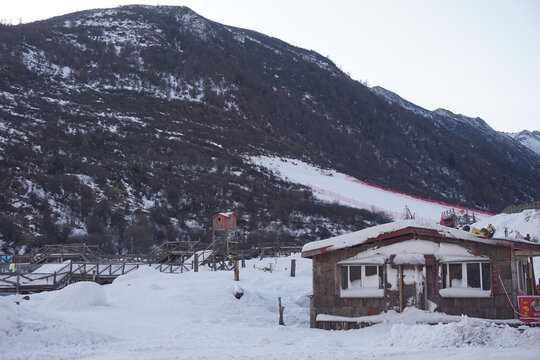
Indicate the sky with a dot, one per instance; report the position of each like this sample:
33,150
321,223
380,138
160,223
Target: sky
477,58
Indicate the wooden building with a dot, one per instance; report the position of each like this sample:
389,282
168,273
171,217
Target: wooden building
225,243
409,264
224,221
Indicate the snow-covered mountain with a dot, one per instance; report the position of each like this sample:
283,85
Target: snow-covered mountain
530,139
474,129
131,126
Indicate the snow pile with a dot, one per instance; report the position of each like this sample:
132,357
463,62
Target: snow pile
330,185
525,222
78,296
409,316
518,225
26,333
466,333
143,273
151,315
8,316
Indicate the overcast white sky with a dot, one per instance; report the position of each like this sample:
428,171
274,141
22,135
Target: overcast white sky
478,58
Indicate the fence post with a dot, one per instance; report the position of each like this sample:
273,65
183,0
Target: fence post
54,280
243,261
236,271
281,308
196,263
293,267
18,281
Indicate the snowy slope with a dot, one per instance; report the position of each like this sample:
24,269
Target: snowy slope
150,315
464,125
518,225
530,139
330,185
523,223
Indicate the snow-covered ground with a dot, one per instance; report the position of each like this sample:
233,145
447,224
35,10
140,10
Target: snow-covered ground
150,315
330,185
518,225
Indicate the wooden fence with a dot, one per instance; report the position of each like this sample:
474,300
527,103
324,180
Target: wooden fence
513,209
63,274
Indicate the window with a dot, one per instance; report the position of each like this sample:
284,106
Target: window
361,281
469,279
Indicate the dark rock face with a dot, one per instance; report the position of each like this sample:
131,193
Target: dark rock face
127,127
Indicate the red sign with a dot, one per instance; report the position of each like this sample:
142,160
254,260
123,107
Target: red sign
529,308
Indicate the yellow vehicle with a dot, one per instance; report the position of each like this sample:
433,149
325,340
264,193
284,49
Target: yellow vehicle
485,232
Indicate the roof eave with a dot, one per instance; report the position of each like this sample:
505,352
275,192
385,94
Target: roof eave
426,232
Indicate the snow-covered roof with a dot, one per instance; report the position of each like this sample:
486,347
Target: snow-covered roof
365,235
226,214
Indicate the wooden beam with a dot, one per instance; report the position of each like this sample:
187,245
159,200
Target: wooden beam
527,253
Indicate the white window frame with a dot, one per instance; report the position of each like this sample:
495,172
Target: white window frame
363,291
464,290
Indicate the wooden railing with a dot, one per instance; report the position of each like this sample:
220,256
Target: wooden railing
72,272
513,209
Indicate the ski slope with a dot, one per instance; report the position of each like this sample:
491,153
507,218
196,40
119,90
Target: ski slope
151,315
330,185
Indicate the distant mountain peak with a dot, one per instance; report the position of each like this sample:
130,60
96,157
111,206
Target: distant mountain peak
474,126
529,139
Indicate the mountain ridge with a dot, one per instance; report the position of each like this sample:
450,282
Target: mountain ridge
130,126
444,116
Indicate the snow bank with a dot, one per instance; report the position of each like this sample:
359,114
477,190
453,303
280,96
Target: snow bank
8,315
466,333
76,297
27,333
410,315
145,273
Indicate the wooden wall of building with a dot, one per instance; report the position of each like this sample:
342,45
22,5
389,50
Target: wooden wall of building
327,300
